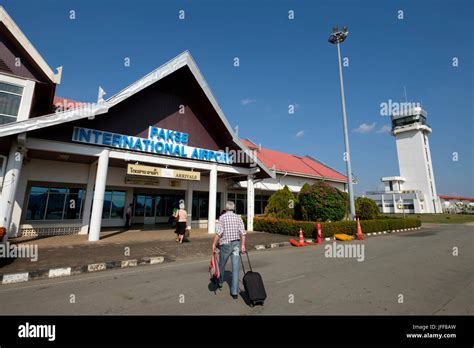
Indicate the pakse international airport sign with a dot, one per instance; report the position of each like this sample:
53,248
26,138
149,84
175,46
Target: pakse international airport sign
149,171
160,141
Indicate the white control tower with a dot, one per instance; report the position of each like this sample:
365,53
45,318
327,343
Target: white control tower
411,131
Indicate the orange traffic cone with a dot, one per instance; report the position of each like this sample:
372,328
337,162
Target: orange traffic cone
359,234
301,237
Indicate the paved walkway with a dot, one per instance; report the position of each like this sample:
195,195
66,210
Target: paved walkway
118,245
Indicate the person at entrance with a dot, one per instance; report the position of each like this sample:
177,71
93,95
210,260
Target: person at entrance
181,219
231,237
128,216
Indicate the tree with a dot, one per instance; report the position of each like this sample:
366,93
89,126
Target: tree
322,202
366,208
300,212
281,204
345,195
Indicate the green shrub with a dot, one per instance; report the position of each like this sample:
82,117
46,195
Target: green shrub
366,208
345,196
281,204
300,211
322,202
329,229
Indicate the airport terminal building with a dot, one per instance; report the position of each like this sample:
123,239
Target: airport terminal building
74,168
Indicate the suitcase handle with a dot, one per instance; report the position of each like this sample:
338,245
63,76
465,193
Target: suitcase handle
248,258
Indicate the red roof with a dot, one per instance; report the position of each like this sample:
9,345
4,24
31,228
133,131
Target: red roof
66,104
457,198
294,164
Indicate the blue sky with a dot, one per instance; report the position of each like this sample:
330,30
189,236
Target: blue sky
285,62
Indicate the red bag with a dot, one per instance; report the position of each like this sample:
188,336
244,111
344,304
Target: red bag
214,266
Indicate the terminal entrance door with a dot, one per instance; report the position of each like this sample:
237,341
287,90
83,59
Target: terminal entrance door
151,208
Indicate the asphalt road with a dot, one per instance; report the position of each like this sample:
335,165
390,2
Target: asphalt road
418,265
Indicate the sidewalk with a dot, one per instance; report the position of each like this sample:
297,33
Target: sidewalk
115,247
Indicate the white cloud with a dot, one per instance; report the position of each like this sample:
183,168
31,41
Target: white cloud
248,101
300,134
365,128
385,129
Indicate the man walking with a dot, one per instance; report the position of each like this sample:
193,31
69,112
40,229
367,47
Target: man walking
231,236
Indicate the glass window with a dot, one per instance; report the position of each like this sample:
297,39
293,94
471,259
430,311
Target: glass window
203,208
74,201
10,99
56,200
139,206
149,206
258,208
37,203
171,203
264,204
107,205
6,87
240,207
118,204
195,207
160,206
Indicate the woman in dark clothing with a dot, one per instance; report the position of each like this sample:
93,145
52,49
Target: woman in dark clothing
182,218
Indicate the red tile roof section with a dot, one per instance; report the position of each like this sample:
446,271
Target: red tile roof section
458,198
286,162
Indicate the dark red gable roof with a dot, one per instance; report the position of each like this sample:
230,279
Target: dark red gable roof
287,162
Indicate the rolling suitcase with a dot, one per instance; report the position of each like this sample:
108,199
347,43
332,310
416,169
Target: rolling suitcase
253,284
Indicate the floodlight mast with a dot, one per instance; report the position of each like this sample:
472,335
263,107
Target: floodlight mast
337,37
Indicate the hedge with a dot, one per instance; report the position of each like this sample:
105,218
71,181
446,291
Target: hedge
328,229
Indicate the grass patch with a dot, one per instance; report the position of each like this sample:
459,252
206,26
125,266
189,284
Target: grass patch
436,218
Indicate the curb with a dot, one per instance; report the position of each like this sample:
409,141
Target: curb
373,234
327,239
56,272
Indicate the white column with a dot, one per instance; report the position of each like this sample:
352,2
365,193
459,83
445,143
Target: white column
10,184
98,202
250,202
189,202
383,205
211,219
19,203
87,205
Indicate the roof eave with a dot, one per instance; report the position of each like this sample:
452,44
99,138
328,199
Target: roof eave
310,176
28,47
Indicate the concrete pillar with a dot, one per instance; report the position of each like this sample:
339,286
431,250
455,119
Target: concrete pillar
87,204
189,202
383,205
98,202
250,202
19,206
10,184
211,219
